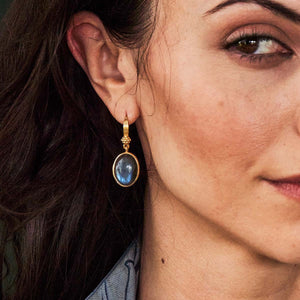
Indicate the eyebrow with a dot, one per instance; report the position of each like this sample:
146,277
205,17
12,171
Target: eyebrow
274,7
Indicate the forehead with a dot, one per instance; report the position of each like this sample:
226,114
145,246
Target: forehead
187,5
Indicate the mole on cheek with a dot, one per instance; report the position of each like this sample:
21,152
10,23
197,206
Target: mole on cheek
162,260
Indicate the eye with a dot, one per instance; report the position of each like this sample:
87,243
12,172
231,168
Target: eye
259,45
260,49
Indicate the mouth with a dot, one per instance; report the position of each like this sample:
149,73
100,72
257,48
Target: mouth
289,186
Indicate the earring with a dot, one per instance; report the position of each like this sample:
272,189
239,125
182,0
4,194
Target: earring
126,167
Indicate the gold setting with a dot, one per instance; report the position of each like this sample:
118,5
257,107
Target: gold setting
126,144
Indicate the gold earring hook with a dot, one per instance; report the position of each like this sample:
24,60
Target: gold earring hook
126,139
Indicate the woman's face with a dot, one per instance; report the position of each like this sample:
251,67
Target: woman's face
222,117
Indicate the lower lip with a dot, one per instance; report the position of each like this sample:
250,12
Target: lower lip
289,189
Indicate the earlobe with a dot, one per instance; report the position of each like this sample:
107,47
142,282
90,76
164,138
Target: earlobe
109,68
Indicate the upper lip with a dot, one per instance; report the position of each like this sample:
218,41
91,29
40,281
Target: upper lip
290,179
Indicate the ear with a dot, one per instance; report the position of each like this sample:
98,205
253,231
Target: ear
110,69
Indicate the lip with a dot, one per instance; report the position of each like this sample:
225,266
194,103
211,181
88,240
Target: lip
291,179
289,186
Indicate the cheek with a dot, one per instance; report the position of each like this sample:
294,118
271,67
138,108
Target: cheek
208,116
212,123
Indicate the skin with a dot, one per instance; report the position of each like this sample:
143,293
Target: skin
214,127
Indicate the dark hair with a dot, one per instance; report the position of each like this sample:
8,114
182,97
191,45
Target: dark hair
61,211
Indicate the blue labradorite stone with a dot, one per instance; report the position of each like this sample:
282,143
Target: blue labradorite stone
126,169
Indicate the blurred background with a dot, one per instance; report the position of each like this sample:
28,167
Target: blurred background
3,6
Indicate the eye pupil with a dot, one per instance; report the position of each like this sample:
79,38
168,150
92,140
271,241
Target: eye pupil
248,45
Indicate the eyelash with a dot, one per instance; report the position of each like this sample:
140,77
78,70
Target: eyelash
258,58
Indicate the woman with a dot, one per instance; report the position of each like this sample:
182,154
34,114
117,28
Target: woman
210,91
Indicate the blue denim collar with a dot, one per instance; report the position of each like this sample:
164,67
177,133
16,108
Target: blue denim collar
122,281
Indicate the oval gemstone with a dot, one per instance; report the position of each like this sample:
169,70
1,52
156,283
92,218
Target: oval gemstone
126,169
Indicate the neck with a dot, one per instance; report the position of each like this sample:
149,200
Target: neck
184,256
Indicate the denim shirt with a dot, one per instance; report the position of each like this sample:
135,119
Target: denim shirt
122,281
